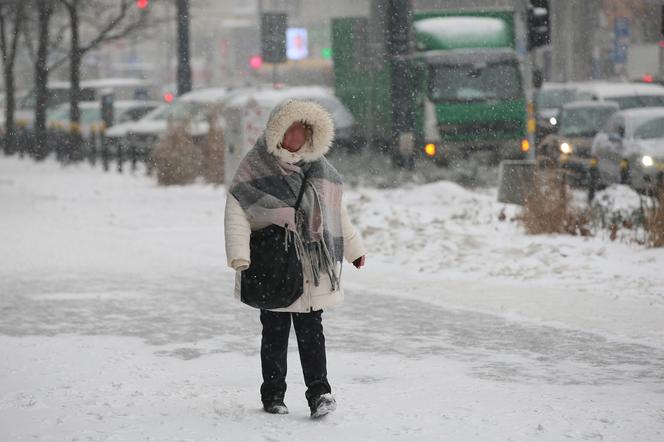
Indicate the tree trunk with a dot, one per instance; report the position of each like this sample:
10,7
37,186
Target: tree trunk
41,75
184,64
8,59
75,67
10,101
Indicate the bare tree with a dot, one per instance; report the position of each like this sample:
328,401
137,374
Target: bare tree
44,12
13,13
111,23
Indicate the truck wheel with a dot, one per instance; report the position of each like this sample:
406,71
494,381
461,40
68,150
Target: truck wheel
442,161
401,161
453,157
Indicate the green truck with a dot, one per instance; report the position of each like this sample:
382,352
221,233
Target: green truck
468,92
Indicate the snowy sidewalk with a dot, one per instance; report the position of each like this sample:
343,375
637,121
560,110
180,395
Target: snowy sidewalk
119,323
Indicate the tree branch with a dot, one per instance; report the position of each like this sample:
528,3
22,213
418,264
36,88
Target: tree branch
105,33
70,5
29,44
18,22
3,36
9,50
59,36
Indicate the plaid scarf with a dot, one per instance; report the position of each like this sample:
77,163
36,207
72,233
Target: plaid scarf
267,189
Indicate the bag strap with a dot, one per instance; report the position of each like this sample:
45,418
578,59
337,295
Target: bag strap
302,189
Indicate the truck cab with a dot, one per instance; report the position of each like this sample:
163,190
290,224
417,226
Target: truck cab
465,74
472,96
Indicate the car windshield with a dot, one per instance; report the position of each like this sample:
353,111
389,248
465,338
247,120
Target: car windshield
554,98
584,122
56,97
180,111
60,113
472,83
650,130
133,114
633,101
88,114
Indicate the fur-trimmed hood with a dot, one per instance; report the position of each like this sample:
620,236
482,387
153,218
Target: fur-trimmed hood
309,112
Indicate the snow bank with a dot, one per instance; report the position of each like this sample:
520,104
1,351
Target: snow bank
447,244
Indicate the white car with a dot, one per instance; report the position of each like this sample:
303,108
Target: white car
91,118
626,95
123,89
630,149
191,108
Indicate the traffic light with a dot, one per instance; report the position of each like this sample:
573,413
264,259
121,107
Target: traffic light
539,25
255,62
142,4
273,37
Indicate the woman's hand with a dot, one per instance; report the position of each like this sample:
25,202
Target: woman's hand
359,262
240,264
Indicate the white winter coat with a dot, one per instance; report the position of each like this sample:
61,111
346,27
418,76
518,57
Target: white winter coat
238,226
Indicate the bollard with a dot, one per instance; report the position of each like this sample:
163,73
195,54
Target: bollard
625,173
593,184
93,145
133,153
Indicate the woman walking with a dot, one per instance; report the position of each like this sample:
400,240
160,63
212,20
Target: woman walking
286,170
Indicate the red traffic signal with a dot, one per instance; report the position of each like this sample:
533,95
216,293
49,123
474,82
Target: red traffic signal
256,61
142,4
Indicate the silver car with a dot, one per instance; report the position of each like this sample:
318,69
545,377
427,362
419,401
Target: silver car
550,100
630,149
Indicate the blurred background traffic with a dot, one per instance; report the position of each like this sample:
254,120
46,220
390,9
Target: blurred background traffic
562,84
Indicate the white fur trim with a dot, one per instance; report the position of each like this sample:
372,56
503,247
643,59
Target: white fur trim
299,110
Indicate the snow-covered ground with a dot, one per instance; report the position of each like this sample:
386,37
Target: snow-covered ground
118,321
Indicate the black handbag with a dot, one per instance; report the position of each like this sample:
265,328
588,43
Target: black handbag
274,278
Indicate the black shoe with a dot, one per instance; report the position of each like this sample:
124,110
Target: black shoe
276,407
322,405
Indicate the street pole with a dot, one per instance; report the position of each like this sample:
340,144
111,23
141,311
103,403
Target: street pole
528,70
399,47
184,82
661,43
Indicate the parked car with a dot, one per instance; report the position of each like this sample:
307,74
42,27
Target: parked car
58,93
91,118
626,95
549,100
630,149
123,89
192,108
569,146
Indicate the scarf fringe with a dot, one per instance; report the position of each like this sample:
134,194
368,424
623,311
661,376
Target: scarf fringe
315,256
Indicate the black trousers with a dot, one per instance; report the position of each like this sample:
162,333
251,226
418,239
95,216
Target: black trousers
274,349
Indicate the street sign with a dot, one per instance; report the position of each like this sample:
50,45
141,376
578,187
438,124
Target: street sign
620,40
297,44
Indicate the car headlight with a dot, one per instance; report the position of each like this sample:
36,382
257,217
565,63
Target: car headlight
647,161
566,148
553,121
